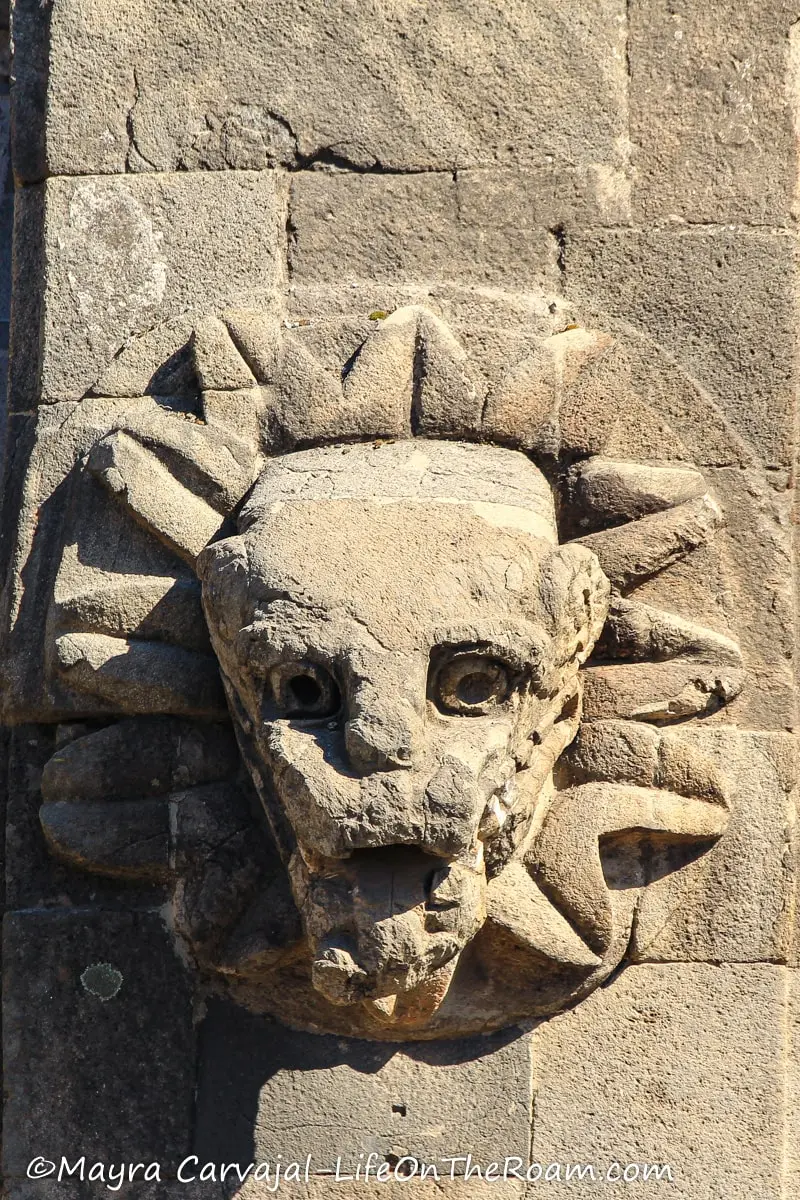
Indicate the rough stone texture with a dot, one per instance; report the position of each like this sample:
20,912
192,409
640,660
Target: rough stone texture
792,1051
721,301
33,878
470,238
352,227
329,1097
743,891
712,108
124,255
681,1064
404,833
112,1075
54,442
213,86
316,1189
165,1189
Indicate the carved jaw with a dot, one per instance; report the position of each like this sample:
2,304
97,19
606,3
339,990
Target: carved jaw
387,922
394,665
386,927
390,868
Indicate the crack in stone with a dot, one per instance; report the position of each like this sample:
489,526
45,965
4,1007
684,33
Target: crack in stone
131,129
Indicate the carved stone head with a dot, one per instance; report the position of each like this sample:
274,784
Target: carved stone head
462,717
400,635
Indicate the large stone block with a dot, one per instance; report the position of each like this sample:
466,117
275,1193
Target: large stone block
123,255
354,228
106,1067
417,87
721,301
266,1091
712,110
678,1065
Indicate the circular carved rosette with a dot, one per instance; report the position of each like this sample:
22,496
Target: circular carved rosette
374,677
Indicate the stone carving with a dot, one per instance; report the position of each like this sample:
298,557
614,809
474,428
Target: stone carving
407,580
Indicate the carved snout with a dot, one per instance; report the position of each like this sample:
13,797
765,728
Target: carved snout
384,731
376,742
405,917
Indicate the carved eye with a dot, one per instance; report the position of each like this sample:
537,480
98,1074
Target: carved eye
471,684
304,690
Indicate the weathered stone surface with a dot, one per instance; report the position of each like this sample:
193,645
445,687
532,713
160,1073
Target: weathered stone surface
675,1064
329,1097
392,1189
217,86
792,1050
53,443
721,301
742,892
126,254
110,1185
29,101
396,822
425,375
109,1071
316,1189
384,791
416,227
33,878
712,108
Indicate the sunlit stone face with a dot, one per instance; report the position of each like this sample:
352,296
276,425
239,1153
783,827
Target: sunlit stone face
400,636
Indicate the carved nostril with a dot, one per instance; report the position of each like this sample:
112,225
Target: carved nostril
378,746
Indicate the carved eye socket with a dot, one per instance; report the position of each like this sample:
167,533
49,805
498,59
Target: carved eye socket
471,684
304,690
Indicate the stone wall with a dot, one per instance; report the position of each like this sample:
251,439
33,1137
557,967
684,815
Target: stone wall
248,230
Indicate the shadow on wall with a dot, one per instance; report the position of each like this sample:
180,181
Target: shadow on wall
266,1091
6,210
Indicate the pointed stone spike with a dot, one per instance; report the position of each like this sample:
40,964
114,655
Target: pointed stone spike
446,400
216,461
565,858
380,383
519,906
153,496
620,751
256,335
128,839
218,363
566,395
243,410
631,552
521,410
140,757
640,632
309,406
158,362
594,389
145,606
141,676
658,691
625,491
